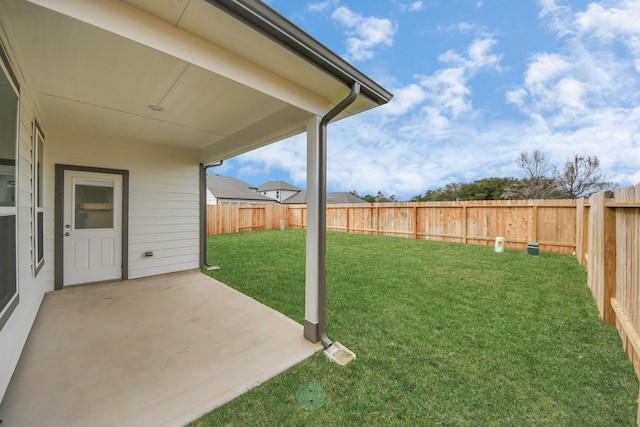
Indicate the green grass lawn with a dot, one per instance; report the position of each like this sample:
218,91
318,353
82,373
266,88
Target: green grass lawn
445,335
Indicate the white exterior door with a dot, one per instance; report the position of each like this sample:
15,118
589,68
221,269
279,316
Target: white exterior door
92,247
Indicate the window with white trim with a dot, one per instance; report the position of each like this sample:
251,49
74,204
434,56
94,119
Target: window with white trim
9,95
38,198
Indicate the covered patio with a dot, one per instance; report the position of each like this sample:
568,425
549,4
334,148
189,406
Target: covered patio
156,351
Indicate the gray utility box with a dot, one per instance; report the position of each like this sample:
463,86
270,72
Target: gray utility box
532,248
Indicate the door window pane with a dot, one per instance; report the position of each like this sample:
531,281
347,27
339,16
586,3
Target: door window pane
93,207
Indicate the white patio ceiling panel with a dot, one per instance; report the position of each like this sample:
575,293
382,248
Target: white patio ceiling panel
72,60
89,119
202,100
92,82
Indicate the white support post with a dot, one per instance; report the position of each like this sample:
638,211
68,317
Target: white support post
314,257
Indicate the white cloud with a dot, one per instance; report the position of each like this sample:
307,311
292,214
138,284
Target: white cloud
415,6
321,6
479,56
543,68
365,34
465,28
561,19
516,96
405,99
608,23
618,23
447,90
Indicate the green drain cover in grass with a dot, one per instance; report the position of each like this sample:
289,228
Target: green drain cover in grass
311,396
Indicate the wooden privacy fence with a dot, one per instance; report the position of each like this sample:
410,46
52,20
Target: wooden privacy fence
551,223
608,245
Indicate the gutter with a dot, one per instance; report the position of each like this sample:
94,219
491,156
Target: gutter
321,168
264,19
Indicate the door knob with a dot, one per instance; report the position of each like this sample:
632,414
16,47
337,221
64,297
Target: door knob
67,234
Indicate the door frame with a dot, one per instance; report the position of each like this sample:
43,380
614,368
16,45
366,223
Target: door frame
59,218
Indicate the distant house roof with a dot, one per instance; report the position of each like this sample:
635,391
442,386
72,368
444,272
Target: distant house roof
278,185
343,197
297,199
333,198
226,187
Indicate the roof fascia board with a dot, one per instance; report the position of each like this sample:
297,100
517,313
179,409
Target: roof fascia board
269,22
137,26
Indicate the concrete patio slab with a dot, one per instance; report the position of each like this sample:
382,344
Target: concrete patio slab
158,351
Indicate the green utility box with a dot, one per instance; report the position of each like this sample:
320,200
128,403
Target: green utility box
532,248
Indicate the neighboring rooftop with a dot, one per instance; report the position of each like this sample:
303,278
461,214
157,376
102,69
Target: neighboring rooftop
226,187
335,197
278,186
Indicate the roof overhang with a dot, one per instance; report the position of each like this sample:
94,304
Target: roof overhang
229,78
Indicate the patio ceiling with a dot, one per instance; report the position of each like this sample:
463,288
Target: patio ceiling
96,65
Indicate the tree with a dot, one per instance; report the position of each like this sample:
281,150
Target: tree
535,166
580,177
486,189
449,192
378,198
537,182
480,189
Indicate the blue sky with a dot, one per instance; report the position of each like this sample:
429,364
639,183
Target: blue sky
476,82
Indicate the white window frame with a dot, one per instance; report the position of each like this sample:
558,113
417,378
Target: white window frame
11,304
38,197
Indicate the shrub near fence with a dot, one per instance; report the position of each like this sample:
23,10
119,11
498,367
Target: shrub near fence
552,223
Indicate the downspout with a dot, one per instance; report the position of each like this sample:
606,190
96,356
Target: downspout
321,168
203,219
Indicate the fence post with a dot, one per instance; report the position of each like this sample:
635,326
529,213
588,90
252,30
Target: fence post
534,223
237,216
609,230
585,235
464,224
415,221
348,209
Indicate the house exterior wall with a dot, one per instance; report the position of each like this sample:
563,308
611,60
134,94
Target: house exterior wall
279,195
164,209
213,200
164,214
31,287
285,194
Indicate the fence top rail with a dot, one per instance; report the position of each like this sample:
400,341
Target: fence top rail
622,204
463,203
445,204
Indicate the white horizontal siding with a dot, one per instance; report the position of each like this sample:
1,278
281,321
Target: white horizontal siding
141,247
165,220
30,289
164,199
